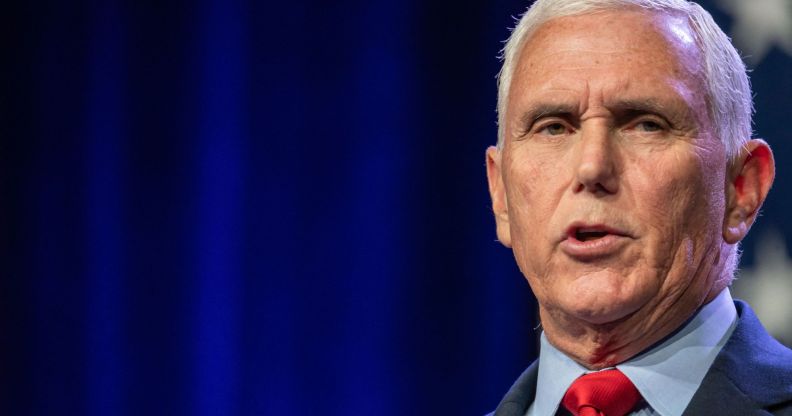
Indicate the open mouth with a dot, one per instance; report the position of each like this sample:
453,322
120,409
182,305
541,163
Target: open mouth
589,242
588,235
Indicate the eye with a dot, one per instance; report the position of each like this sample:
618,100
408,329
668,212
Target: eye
553,129
648,126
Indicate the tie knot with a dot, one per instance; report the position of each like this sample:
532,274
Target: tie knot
604,393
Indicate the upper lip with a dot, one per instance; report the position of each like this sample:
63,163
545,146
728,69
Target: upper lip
580,226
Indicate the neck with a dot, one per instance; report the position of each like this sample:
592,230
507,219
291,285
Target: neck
598,346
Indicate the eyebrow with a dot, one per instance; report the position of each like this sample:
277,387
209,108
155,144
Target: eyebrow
620,107
540,110
675,110
645,105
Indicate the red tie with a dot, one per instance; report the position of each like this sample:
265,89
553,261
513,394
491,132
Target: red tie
604,393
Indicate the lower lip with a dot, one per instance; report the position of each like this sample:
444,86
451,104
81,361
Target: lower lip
593,249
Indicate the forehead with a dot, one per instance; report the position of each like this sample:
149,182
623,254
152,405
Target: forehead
641,25
630,51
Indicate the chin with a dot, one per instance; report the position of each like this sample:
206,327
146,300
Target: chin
595,314
603,300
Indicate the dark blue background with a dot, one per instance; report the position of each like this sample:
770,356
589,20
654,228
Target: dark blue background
271,208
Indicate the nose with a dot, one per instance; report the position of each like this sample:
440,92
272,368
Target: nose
596,170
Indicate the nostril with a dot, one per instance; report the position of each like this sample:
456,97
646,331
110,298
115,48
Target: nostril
603,185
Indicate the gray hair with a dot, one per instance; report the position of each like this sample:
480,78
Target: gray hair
729,99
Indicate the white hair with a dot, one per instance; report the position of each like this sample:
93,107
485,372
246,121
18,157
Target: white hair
728,91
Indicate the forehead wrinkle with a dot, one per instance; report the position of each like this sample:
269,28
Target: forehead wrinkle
585,97
623,92
544,53
573,60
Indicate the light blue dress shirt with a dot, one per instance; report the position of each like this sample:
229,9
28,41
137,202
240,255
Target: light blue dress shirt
667,375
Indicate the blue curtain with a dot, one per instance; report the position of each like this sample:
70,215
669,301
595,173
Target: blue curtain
269,208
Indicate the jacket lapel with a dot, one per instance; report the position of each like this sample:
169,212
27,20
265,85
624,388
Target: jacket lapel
751,374
719,396
521,394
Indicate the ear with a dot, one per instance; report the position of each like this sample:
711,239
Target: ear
500,206
749,179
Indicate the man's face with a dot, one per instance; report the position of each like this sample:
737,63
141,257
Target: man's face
613,188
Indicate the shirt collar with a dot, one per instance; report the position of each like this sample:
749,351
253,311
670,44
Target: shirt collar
556,374
667,375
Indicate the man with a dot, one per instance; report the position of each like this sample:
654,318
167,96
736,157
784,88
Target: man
623,180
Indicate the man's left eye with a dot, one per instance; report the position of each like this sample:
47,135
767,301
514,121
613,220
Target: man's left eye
649,126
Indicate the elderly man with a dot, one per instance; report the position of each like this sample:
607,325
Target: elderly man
623,180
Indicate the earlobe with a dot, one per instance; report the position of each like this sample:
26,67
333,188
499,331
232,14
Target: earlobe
500,206
749,181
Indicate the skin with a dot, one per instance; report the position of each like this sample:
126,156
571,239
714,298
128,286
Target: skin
607,124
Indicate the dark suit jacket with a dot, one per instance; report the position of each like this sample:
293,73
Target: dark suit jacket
752,375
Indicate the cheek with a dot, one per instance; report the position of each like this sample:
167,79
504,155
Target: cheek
532,189
698,196
683,206
666,188
532,192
